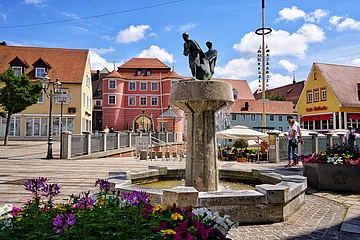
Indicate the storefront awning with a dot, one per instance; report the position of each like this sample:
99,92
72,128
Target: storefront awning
325,117
354,116
305,118
314,118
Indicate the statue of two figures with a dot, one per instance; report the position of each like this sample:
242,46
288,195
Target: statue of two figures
202,64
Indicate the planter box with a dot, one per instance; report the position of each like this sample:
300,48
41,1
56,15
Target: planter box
338,178
241,159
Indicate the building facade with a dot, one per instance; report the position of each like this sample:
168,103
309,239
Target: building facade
72,66
331,98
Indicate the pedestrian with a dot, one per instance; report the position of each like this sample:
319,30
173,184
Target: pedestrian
106,130
298,133
350,136
292,143
112,130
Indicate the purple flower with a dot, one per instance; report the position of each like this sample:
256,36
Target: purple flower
51,189
103,184
62,221
135,197
86,201
35,185
183,236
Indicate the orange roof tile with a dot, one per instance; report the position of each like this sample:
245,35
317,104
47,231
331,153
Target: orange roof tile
241,86
272,107
172,74
67,64
150,63
113,74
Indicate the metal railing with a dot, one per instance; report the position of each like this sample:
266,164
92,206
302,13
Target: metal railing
97,142
111,141
78,144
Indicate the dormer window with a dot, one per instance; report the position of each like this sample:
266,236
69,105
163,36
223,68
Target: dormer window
138,72
235,93
18,70
40,72
148,72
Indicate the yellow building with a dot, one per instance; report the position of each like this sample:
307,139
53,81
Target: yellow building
72,67
331,98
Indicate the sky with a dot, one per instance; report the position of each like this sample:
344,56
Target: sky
304,32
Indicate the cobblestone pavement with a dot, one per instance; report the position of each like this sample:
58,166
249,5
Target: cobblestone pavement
318,218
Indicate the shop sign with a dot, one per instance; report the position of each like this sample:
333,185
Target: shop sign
322,108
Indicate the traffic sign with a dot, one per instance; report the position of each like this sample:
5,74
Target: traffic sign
263,100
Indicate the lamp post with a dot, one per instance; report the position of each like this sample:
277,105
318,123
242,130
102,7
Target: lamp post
45,81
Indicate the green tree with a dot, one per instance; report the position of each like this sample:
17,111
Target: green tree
18,94
241,143
275,97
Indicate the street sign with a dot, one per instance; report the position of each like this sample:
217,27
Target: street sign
62,98
263,100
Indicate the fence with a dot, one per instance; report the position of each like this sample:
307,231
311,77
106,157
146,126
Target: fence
84,144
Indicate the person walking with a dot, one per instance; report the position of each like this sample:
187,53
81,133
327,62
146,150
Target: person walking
106,130
292,143
350,136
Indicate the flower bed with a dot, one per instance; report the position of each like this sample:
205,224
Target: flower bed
337,169
111,215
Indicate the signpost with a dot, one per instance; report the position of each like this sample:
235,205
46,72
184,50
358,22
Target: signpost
62,98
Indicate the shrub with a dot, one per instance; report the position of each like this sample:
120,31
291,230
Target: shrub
241,143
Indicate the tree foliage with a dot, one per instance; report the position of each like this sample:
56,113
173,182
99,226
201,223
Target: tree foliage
241,143
275,97
18,94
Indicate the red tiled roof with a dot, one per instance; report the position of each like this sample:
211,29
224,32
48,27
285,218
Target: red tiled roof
149,63
113,74
241,86
67,64
291,92
342,81
272,107
172,74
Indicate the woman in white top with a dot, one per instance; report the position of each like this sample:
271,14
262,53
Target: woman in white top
293,142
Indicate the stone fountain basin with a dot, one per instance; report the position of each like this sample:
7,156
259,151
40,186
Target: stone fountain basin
274,199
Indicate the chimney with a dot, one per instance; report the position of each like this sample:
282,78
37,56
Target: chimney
246,106
3,43
98,74
294,78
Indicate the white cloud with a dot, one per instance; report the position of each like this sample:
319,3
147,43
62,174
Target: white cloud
356,62
34,1
282,43
98,62
71,15
342,24
276,80
291,14
316,16
157,52
101,51
108,38
289,66
186,27
237,68
168,27
132,34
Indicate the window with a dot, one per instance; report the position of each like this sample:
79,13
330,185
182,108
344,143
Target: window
84,99
132,101
324,124
28,126
233,117
272,118
323,94
252,118
306,125
154,86
311,125
111,99
87,102
148,72
132,86
41,98
164,126
174,82
97,102
309,96
112,84
142,101
242,117
315,77
90,104
143,86
39,72
18,70
281,128
154,101
138,72
280,118
317,125
316,95
87,80
235,96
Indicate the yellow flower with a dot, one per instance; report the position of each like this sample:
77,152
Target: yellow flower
167,232
336,154
100,202
60,207
176,216
158,208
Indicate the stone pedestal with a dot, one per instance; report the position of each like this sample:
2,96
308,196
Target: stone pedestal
201,99
143,155
182,196
274,149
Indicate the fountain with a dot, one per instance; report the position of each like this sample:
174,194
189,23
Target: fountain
273,200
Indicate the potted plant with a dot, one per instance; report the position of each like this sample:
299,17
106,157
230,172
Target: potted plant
242,144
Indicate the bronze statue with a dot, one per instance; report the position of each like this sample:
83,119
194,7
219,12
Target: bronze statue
202,64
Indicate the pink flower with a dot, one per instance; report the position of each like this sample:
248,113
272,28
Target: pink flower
15,211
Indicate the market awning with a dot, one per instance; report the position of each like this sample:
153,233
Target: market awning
354,116
305,118
325,117
314,118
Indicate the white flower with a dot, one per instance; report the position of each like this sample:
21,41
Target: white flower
201,211
5,210
221,228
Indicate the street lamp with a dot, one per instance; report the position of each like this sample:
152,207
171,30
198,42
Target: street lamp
45,81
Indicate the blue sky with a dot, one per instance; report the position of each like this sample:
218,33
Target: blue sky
304,32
